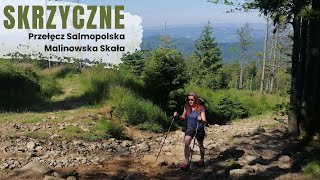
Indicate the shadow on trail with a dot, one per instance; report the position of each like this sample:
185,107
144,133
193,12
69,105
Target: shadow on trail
70,103
271,150
114,169
67,104
274,154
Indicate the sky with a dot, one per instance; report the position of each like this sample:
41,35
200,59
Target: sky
140,15
179,12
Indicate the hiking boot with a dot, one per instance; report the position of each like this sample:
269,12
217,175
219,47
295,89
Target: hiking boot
200,163
185,167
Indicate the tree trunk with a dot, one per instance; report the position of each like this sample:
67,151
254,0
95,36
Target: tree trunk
311,95
264,54
278,80
273,71
302,67
241,75
251,82
315,57
267,84
294,107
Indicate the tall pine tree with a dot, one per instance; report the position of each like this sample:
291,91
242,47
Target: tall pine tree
163,74
244,42
209,59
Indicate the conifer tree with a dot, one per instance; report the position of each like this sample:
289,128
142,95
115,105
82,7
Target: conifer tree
133,62
209,59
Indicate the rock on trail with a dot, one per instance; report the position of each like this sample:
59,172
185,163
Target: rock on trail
246,148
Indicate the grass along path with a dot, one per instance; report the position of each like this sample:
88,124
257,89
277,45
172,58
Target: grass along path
73,140
71,87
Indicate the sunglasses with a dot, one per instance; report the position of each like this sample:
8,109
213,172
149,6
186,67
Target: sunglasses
190,99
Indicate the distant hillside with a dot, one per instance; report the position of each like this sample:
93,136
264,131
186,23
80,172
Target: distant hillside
183,45
183,38
224,33
229,55
187,46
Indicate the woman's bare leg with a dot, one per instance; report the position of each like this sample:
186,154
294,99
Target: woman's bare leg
187,141
202,150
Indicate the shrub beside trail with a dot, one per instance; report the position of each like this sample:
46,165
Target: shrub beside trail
127,95
22,86
124,93
225,105
135,110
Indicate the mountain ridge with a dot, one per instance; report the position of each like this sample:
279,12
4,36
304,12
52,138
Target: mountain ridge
183,38
187,47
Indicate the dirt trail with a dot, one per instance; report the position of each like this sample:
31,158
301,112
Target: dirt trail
250,148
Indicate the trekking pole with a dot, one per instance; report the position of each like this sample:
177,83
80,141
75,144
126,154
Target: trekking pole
205,130
165,139
194,142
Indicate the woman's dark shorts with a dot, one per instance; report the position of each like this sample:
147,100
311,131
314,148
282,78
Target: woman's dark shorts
200,133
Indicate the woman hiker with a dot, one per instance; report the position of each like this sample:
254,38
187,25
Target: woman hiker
195,114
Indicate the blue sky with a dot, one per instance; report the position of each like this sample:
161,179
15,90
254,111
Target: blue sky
179,12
